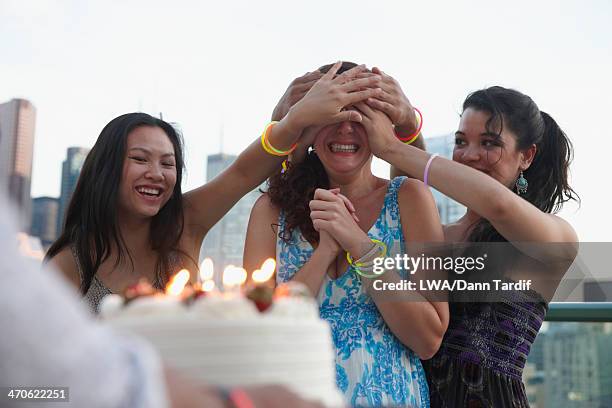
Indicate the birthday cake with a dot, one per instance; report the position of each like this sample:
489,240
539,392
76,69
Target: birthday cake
233,340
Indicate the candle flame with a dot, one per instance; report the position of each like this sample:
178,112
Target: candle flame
177,283
266,271
207,270
234,276
208,286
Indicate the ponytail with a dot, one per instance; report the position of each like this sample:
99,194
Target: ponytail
548,174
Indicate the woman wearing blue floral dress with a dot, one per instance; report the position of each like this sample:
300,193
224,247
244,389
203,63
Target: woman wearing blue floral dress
331,204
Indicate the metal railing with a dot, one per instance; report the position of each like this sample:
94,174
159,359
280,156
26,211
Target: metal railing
580,312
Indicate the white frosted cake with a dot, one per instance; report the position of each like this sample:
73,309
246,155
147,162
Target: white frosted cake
225,340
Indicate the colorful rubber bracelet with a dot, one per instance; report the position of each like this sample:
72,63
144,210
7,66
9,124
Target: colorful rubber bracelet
264,134
265,143
367,270
377,243
369,273
378,246
426,172
411,138
240,399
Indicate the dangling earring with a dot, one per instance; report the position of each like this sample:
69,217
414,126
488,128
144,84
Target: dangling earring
521,184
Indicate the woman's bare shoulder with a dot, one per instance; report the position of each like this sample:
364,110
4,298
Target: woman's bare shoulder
65,263
454,232
264,208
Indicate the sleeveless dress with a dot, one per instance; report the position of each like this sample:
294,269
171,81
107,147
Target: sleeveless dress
97,290
373,368
481,359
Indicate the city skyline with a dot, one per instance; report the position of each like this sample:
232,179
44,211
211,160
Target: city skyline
82,64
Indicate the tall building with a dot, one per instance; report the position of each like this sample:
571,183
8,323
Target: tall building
44,219
450,210
534,375
17,123
71,169
224,243
578,365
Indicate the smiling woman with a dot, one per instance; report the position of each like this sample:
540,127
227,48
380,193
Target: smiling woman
328,206
510,169
149,172
129,191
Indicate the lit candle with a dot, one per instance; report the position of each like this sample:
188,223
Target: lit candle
169,303
207,270
177,283
208,286
233,278
262,289
264,274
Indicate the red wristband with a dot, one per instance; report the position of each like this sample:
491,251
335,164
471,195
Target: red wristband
240,399
411,138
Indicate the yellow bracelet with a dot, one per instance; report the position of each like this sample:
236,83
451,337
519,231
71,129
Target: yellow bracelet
265,143
380,244
413,139
415,135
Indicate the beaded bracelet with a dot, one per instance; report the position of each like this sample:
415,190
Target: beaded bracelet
411,138
265,143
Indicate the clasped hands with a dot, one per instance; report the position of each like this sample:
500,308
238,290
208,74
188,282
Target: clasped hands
334,218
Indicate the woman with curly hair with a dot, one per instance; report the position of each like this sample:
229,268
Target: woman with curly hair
328,206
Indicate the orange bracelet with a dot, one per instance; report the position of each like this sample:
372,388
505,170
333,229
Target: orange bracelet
265,143
411,138
240,399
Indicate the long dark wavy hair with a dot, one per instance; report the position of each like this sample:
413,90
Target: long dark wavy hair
91,225
547,175
293,190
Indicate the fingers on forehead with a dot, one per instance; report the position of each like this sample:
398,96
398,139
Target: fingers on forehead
363,107
332,71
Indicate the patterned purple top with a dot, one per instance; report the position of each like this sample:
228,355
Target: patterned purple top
497,335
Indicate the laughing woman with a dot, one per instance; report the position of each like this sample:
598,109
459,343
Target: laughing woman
378,343
510,169
128,218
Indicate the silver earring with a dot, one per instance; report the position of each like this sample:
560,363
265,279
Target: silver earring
521,184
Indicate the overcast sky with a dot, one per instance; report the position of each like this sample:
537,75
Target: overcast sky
219,68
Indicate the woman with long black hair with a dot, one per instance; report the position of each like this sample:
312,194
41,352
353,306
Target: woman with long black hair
510,169
128,218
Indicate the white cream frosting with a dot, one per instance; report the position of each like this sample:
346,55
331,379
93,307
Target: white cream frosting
299,308
225,341
157,305
220,307
111,305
